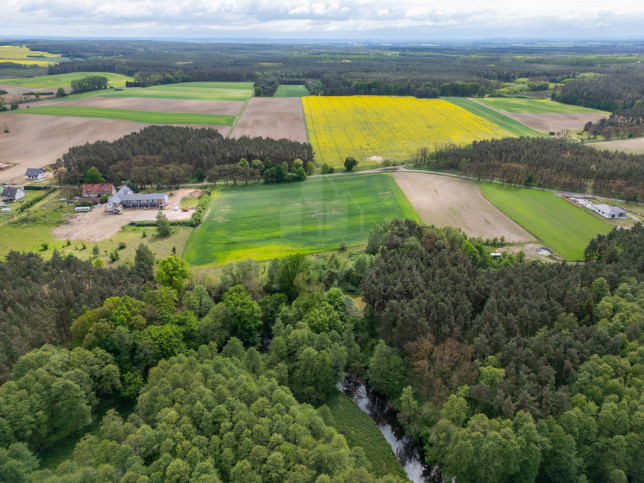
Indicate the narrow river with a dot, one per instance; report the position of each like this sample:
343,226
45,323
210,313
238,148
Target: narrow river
409,453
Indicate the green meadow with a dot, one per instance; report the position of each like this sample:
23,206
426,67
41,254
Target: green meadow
131,115
201,91
559,225
510,125
269,221
519,105
65,80
291,91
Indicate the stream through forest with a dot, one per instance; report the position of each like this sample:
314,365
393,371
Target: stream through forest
409,453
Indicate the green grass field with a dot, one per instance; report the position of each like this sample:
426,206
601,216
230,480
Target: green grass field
201,91
558,224
515,127
130,115
269,221
519,105
291,91
65,80
360,430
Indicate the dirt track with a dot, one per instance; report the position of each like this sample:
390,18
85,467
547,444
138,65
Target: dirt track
229,108
443,201
98,225
36,141
273,117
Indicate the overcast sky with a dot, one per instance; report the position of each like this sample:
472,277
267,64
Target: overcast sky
319,19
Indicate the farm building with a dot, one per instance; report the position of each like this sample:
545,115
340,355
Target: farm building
126,198
34,174
93,192
12,193
607,211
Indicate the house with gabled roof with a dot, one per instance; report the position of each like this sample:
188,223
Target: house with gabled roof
13,193
93,192
126,198
35,174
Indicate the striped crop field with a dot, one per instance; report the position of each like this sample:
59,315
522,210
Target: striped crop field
65,80
131,115
375,128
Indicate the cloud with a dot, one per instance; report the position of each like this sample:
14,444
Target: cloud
322,18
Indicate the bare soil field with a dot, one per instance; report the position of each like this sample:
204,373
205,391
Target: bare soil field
228,108
550,121
444,201
14,93
629,145
273,117
37,141
98,225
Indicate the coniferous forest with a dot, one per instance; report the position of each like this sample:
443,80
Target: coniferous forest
537,364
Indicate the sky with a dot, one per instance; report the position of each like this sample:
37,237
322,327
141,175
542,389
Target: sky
325,20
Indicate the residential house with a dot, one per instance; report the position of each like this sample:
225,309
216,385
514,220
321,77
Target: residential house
12,193
126,198
93,192
35,174
607,211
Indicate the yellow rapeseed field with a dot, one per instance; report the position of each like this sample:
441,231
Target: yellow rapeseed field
373,127
23,55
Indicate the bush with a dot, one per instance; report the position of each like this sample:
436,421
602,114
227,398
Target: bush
122,245
44,246
114,256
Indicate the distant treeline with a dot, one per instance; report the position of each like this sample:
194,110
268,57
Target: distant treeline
546,162
606,92
624,123
169,155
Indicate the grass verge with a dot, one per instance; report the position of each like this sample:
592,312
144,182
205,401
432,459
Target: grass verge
558,224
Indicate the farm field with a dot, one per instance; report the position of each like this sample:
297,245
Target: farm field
201,91
291,91
65,80
372,128
558,224
533,113
228,108
54,135
521,105
24,55
446,201
132,115
511,125
277,118
269,221
635,145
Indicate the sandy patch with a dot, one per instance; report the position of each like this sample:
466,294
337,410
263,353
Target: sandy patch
98,225
444,201
36,141
228,108
377,159
273,117
635,145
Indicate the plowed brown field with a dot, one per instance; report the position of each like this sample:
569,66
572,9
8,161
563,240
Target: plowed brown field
272,117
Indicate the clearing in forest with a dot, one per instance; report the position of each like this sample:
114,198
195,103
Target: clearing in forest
276,118
291,91
445,201
558,224
131,115
516,128
388,127
270,221
65,80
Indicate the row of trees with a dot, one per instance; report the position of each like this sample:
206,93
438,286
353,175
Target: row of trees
169,155
555,163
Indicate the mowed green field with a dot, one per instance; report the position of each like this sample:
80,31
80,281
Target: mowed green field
65,80
291,91
515,127
201,91
131,115
558,224
269,221
520,105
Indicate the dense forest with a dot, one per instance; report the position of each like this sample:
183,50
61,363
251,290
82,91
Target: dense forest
623,123
170,155
553,163
612,92
536,364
